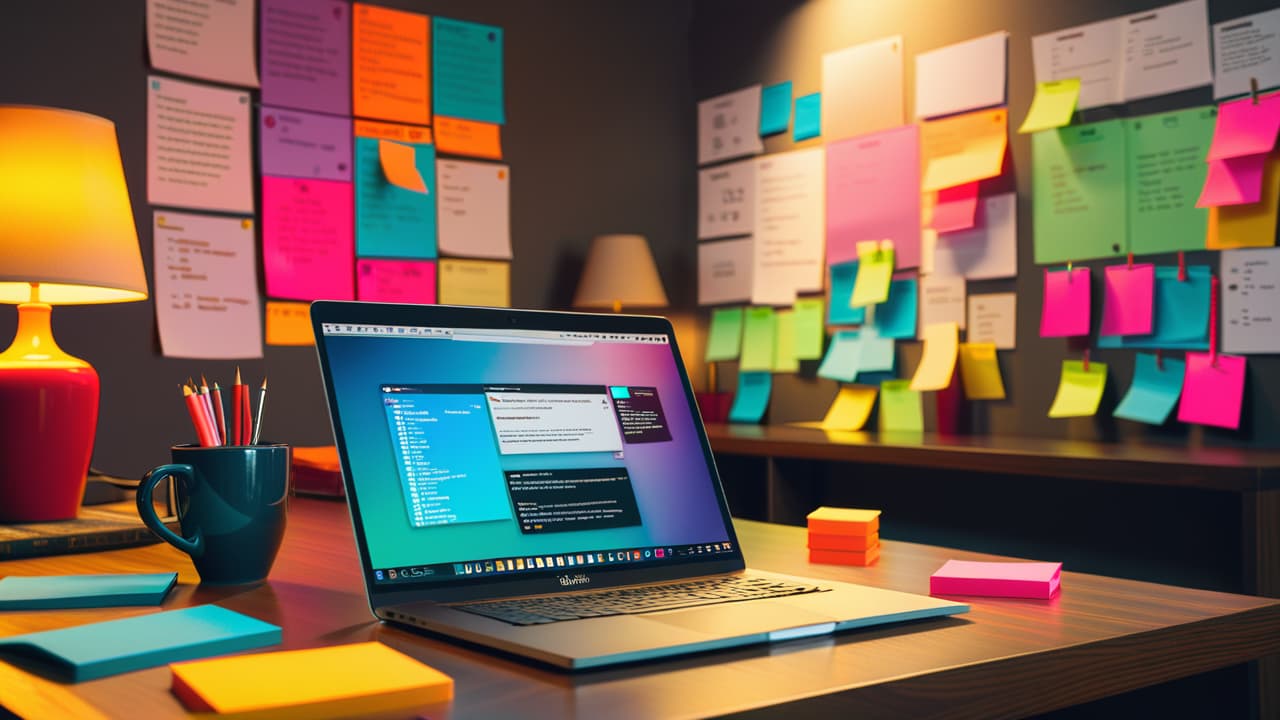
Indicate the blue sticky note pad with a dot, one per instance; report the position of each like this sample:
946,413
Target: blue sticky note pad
87,652
808,117
84,591
466,70
1155,389
752,397
392,221
843,276
896,317
842,358
876,354
775,108
1181,319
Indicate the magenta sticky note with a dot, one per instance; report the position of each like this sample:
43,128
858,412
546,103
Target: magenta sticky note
955,208
292,143
1128,299
1066,306
1233,181
1038,580
1245,128
398,281
1212,392
873,193
308,246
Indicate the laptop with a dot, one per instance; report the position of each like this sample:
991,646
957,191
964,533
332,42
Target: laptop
540,483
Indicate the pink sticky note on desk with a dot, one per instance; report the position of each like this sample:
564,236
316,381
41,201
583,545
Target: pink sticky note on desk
873,193
1212,394
1128,299
997,579
1233,181
956,208
308,246
399,281
1065,310
1245,128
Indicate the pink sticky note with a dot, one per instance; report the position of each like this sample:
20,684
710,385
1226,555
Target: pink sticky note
1065,310
1211,394
955,208
308,248
1128,298
1244,128
997,579
1234,181
873,193
399,281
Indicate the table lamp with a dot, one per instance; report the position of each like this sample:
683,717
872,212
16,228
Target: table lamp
66,237
619,271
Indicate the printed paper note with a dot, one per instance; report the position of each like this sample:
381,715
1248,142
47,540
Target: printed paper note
392,221
1079,390
942,300
789,232
1065,309
727,200
1166,50
1240,226
839,310
724,271
964,76
938,360
808,117
484,283
1233,181
980,372
851,408
1164,155
752,398
475,208
198,146
862,89
808,327
993,319
1128,294
963,149
729,126
466,70
1181,313
784,345
956,208
307,249
1246,48
299,144
289,324
1251,300
775,108
873,193
724,337
1078,192
1053,105
1156,386
1093,53
206,286
466,137
896,317
389,65
989,250
841,361
212,41
306,55
901,408
1212,392
758,338
1245,127
875,273
396,281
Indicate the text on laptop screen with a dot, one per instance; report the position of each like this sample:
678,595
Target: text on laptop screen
472,450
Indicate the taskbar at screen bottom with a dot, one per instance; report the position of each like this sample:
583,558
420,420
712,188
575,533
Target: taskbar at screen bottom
535,563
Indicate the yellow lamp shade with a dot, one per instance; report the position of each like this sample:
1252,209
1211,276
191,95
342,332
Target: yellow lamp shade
620,271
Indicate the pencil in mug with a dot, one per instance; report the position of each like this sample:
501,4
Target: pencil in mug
198,418
262,401
208,407
237,410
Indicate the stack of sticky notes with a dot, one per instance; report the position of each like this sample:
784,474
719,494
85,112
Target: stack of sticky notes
997,579
844,536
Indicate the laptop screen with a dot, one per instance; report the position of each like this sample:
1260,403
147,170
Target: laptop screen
480,452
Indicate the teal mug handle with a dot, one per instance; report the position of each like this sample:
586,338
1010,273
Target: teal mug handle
193,546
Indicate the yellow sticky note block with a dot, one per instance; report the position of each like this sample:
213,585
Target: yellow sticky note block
843,521
469,137
1053,105
398,166
850,409
875,273
784,342
485,283
963,149
329,682
759,335
1079,392
289,323
390,64
980,372
938,360
1254,225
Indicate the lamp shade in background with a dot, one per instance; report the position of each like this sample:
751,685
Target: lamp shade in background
67,236
619,272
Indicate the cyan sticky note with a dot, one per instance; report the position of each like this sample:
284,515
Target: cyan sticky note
52,592
896,317
87,652
843,277
775,108
843,355
808,117
1155,389
392,221
1181,313
466,70
752,398
876,354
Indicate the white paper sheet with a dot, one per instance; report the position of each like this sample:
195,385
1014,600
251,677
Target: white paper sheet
993,319
988,250
1166,50
724,271
198,152
726,200
788,250
942,300
1094,53
1251,300
1247,47
209,39
729,126
206,285
475,208
862,89
964,76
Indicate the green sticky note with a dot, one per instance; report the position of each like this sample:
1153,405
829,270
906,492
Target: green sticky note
1079,391
758,338
808,325
1165,156
1078,192
784,342
901,408
1052,106
875,273
724,339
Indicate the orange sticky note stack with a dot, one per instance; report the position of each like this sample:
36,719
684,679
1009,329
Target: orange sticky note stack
844,536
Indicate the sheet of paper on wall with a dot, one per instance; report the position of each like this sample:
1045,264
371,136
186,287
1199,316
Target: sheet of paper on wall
1128,297
1181,313
980,371
485,283
396,281
956,208
759,335
963,148
839,310
206,286
214,42
964,76
808,327
1079,390
1156,387
862,89
306,55
1213,390
466,70
729,126
896,316
390,62
724,337
1166,50
752,398
724,271
808,122
843,353
901,408
198,152
727,200
467,137
875,273
1094,53
293,143
392,221
1053,105
1246,48
1164,156
474,208
1064,311
784,345
938,359
1233,181
942,300
775,108
788,239
1251,301
308,252
993,319
873,192
288,324
989,250
1240,226
1078,192
849,411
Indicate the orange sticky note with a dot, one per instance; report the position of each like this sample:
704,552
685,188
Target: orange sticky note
289,323
469,137
843,521
963,149
1241,226
390,71
398,165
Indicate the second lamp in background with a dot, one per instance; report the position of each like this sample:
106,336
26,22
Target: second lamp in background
619,272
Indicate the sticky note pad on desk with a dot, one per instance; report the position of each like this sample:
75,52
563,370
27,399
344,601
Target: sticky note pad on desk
87,652
340,681
843,521
997,579
84,591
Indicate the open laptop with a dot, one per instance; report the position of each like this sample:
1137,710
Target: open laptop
541,483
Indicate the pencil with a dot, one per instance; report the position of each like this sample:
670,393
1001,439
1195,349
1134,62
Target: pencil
257,423
246,422
197,417
207,400
219,414
237,415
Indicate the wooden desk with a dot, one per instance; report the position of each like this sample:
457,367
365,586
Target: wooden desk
1006,658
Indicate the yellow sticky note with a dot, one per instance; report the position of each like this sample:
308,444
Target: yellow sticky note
980,372
875,273
901,408
469,137
850,409
1254,225
784,342
1052,106
398,166
759,334
486,283
1079,392
938,360
963,148
289,323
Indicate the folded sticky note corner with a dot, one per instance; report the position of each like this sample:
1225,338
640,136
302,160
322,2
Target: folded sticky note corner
1038,580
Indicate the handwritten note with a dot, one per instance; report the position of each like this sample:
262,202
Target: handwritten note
307,249
214,42
875,273
1053,105
896,316
392,221
470,138
1213,390
839,310
729,126
788,237
396,281
289,324
1079,390
873,193
198,146
808,117
993,319
475,208
1078,192
938,360
988,250
862,89
727,200
724,337
306,55
964,76
1156,387
1092,53
980,371
752,398
484,283
963,148
466,70
1128,297
1250,299
1164,156
775,108
901,408
758,337
389,65
1166,50
300,144
1065,309
1246,48
942,300
724,271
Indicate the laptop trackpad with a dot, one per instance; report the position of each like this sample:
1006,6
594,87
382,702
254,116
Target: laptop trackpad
743,618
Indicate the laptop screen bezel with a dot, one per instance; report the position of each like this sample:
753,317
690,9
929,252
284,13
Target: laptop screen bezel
550,581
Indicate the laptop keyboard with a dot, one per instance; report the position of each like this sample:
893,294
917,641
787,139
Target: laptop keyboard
634,600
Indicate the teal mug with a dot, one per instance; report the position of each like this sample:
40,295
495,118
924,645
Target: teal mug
231,503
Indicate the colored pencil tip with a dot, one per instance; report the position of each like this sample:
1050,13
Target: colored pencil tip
203,382
238,375
186,391
264,383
